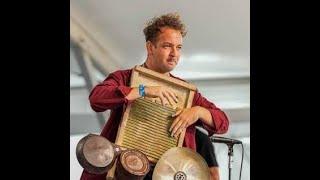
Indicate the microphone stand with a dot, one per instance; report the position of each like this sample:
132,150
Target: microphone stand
229,142
230,154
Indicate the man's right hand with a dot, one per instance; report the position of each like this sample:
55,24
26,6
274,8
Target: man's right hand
165,94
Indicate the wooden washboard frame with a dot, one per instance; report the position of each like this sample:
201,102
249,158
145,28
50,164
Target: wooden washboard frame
147,77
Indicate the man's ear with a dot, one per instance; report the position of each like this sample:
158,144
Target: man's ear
149,47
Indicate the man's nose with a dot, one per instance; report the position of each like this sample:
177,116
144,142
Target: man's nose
174,52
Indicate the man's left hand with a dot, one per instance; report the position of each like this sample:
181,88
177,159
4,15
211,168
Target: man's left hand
185,118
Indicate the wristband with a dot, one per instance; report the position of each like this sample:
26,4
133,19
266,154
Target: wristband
141,90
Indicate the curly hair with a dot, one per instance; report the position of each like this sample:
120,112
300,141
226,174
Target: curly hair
171,20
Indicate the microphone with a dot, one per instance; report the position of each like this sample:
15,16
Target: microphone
219,139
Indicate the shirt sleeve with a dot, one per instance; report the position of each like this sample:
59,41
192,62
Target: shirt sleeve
110,93
220,120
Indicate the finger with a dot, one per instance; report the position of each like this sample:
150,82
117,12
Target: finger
165,101
174,97
170,100
177,127
180,130
174,123
185,124
162,100
157,100
179,111
177,133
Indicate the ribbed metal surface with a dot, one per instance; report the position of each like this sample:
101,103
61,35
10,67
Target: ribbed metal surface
147,128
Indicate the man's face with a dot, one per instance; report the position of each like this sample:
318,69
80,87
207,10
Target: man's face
165,51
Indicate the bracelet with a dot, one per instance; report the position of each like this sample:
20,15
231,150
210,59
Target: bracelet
141,90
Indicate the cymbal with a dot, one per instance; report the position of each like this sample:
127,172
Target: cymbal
95,153
179,163
98,151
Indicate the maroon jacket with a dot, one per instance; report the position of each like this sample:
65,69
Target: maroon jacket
110,94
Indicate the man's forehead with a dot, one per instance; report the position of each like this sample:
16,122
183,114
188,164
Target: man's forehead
170,36
171,43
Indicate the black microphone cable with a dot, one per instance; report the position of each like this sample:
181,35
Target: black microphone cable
241,161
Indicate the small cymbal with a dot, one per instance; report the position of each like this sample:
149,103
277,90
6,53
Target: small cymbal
95,153
180,163
98,151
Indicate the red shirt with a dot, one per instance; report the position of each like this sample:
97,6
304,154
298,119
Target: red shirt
111,93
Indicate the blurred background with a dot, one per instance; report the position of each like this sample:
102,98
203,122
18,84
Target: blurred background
107,35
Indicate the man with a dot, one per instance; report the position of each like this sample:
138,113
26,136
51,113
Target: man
163,44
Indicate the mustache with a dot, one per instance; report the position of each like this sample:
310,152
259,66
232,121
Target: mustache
172,59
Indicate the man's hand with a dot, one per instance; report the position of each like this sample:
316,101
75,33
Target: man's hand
185,118
165,94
